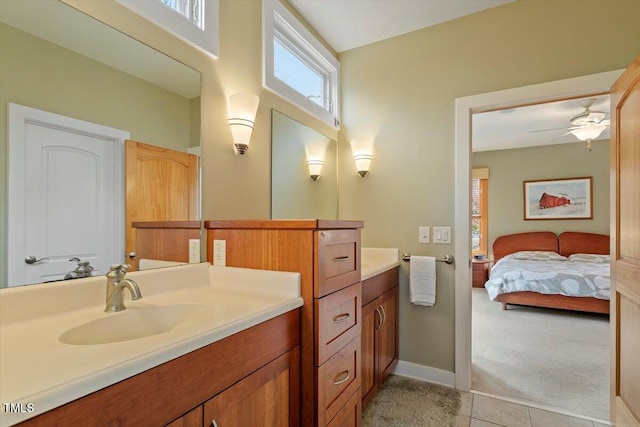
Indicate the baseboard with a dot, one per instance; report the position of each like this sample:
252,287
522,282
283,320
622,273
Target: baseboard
425,373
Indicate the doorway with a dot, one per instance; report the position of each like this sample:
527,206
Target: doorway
465,107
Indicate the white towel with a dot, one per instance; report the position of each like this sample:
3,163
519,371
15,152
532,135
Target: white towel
422,280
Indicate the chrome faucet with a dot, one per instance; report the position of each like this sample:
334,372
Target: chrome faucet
116,283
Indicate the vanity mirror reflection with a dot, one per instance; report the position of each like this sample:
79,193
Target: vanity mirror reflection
304,177
58,62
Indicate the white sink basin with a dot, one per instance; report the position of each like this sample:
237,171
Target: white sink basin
136,322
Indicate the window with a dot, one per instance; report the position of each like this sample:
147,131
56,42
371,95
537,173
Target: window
190,9
297,66
196,21
479,212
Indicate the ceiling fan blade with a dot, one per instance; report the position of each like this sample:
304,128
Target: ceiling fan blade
558,137
546,130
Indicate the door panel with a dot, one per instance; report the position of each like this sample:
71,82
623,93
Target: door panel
175,200
65,197
387,344
625,247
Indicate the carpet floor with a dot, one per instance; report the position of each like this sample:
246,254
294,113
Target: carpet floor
556,358
405,402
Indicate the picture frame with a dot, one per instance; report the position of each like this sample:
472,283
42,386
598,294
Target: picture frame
562,198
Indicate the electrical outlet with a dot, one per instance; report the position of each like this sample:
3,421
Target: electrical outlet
220,252
194,251
423,234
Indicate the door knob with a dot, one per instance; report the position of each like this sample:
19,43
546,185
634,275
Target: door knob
32,260
132,254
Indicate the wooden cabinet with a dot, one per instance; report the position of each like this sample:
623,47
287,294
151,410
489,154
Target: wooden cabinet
258,400
480,272
327,256
379,331
193,418
267,356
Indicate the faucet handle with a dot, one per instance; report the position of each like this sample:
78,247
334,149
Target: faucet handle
118,271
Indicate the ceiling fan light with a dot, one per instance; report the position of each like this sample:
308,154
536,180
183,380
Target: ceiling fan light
588,133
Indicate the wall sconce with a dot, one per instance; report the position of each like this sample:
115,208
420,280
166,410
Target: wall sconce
315,166
362,155
242,114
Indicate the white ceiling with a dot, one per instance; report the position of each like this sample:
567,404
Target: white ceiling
347,24
530,126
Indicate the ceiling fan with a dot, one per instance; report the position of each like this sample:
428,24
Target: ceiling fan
586,126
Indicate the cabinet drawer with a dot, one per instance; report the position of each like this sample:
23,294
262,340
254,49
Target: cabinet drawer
338,379
337,319
338,260
350,415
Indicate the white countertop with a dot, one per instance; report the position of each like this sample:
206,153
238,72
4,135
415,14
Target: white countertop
374,261
36,368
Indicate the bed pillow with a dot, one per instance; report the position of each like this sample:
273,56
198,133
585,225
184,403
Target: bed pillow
594,258
538,256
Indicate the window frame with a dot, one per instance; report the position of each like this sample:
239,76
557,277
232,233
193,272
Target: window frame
280,24
205,39
483,217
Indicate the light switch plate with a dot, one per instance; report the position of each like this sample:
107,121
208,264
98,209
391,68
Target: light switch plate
220,253
441,234
423,234
194,251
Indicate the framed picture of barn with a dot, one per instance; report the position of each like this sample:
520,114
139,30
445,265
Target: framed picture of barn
566,198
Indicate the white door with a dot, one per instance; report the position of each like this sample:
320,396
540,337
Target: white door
66,195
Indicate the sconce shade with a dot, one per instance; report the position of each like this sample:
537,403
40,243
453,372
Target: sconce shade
242,114
363,161
362,149
315,167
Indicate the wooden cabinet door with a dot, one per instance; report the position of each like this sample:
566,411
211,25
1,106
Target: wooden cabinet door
269,397
192,418
387,334
370,323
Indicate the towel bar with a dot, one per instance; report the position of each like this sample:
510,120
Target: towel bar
447,258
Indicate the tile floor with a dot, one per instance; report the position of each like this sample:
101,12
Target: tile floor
482,411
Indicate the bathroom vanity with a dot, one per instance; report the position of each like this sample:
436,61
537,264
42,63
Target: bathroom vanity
326,253
203,344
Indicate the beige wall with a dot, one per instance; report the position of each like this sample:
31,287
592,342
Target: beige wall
509,168
401,92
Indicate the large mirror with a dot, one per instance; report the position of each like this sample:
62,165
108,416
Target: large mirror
57,63
304,179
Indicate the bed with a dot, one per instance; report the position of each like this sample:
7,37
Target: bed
569,281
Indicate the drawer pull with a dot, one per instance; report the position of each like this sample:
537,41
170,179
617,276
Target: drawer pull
341,318
340,381
341,258
214,423
384,315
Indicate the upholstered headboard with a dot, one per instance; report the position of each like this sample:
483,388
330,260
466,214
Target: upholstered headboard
568,243
533,241
571,243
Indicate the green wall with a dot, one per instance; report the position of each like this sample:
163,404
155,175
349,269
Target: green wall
42,75
401,92
509,168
